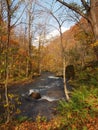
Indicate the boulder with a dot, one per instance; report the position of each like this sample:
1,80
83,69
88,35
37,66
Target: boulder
35,95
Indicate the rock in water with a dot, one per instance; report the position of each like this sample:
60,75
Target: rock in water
35,95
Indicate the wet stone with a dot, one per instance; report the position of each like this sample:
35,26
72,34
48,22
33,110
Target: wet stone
35,95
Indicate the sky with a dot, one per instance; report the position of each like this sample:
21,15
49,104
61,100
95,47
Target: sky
43,17
53,5
60,13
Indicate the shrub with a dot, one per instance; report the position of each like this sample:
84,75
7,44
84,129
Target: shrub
82,105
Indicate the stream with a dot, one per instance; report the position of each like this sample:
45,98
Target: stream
51,91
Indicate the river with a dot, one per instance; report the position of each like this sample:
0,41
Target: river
51,90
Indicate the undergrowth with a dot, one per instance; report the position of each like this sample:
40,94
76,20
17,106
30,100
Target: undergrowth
83,104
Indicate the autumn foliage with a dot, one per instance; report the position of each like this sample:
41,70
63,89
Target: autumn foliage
79,49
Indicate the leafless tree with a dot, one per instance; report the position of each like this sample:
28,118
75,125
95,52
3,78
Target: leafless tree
61,19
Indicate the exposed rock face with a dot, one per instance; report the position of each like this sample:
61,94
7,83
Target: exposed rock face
35,95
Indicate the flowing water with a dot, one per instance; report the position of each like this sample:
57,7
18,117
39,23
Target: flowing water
48,91
51,91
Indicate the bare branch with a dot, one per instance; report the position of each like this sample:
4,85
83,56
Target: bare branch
19,17
73,8
85,5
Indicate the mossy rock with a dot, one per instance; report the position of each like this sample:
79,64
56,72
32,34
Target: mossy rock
70,72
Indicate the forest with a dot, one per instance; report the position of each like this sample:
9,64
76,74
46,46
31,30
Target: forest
35,51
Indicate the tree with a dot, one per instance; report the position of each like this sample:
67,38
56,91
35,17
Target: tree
60,21
11,8
89,12
41,30
1,34
30,17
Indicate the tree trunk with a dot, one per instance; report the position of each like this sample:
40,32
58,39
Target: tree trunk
27,68
7,75
39,56
93,18
64,79
7,62
6,97
64,64
29,39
